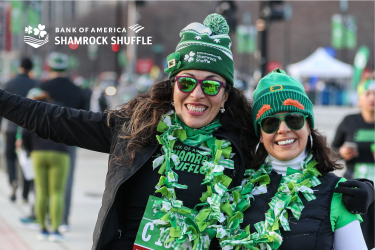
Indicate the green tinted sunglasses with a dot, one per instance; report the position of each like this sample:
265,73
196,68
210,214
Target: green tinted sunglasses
209,87
294,121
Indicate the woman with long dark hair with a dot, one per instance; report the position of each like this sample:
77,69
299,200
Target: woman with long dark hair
293,203
51,167
176,149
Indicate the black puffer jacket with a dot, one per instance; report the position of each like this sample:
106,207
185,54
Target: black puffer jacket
89,130
313,230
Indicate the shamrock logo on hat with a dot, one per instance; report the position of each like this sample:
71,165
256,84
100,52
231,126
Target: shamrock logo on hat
189,57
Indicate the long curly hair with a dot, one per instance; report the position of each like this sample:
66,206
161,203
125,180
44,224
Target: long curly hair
144,112
321,152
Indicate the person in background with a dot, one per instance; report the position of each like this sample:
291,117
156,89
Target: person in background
62,90
19,85
355,142
84,85
51,167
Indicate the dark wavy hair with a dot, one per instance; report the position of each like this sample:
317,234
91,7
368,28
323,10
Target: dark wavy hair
144,112
321,151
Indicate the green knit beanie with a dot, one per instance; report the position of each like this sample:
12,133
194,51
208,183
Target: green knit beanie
204,47
278,92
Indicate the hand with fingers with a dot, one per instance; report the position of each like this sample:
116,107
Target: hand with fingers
357,195
347,153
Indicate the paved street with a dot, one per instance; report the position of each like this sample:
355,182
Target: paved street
88,188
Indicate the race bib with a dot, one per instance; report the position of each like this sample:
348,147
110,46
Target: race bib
148,235
364,170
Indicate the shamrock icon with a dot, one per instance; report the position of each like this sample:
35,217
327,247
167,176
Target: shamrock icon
40,30
189,57
29,30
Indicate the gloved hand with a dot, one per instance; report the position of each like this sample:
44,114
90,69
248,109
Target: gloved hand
357,194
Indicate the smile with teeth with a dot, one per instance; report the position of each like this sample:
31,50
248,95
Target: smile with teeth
286,142
195,108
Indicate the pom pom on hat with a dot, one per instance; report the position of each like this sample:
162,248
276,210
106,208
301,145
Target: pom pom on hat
217,24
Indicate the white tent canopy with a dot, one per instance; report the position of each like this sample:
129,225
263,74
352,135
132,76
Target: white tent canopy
320,64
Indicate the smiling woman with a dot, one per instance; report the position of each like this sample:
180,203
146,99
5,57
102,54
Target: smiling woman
303,212
191,129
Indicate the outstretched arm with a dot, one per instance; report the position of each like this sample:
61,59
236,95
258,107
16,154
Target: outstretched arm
73,127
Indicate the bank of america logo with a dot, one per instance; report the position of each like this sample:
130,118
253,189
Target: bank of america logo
39,32
136,28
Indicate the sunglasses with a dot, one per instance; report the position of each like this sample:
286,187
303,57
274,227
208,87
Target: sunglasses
294,121
209,87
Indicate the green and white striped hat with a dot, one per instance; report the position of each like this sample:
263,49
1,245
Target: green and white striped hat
204,47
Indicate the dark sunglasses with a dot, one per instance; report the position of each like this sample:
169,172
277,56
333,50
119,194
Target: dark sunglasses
270,124
209,87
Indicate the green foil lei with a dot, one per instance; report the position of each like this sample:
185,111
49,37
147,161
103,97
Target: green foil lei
182,231
268,235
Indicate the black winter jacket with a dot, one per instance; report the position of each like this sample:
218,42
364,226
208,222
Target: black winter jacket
89,130
313,230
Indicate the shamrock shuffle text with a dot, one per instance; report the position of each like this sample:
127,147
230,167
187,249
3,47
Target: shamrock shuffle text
102,40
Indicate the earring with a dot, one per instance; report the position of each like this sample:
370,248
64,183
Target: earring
172,103
256,148
222,110
311,141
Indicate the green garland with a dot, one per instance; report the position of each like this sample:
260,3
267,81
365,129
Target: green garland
268,234
180,230
222,209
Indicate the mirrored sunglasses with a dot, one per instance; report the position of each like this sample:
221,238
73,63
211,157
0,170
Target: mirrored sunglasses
209,87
